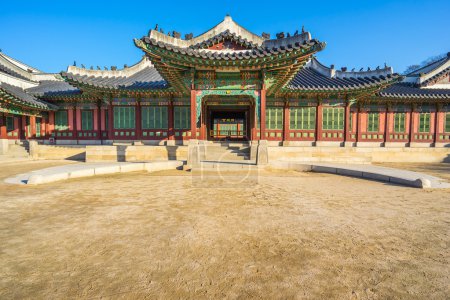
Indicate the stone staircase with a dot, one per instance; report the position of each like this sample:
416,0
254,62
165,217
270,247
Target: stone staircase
238,152
18,151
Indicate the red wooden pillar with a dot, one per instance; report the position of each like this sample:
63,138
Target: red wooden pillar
347,122
319,120
110,121
99,121
286,121
193,114
262,126
436,124
170,125
75,121
389,124
358,124
253,121
138,120
386,124
51,122
23,127
412,124
3,132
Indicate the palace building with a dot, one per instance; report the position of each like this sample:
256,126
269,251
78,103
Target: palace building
227,84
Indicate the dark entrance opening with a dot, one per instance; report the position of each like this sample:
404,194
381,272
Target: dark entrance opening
228,125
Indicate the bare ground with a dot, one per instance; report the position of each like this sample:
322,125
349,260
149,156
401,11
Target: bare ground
294,235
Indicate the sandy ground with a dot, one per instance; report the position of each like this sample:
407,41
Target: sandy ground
293,235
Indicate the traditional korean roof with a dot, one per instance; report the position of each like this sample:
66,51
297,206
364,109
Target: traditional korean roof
317,77
53,88
174,57
21,97
142,76
427,82
409,91
430,74
20,82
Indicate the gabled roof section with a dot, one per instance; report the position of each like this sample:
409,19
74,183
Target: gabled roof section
141,76
227,25
429,74
317,77
19,96
408,91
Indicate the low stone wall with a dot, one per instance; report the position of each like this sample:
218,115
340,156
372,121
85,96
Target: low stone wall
358,155
4,145
58,152
135,153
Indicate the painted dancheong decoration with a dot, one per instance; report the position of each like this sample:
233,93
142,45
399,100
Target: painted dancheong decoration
227,83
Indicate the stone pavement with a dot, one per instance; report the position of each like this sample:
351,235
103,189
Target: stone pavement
370,172
89,169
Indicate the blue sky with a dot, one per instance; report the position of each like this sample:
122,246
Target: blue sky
50,35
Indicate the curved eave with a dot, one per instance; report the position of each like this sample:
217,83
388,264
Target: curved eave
350,89
88,87
260,57
12,99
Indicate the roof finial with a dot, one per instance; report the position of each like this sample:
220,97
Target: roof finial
303,28
74,62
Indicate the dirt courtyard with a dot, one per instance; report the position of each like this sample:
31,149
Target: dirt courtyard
292,236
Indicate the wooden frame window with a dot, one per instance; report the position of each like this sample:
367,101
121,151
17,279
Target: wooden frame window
447,122
373,122
424,122
87,120
302,118
124,117
9,123
61,120
154,117
399,122
274,118
182,117
333,118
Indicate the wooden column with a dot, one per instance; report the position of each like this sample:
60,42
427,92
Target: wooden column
253,120
24,131
193,115
99,120
411,125
286,121
347,122
75,122
138,127
170,125
319,121
358,125
262,126
437,118
51,123
110,121
386,124
3,133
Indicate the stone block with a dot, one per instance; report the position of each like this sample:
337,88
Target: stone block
132,167
82,173
324,169
262,156
4,146
375,176
349,172
163,165
107,170
35,179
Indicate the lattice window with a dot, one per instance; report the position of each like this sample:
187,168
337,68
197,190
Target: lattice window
373,122
182,117
302,118
61,120
124,117
424,122
447,122
274,118
154,117
399,122
333,118
87,120
38,127
9,123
